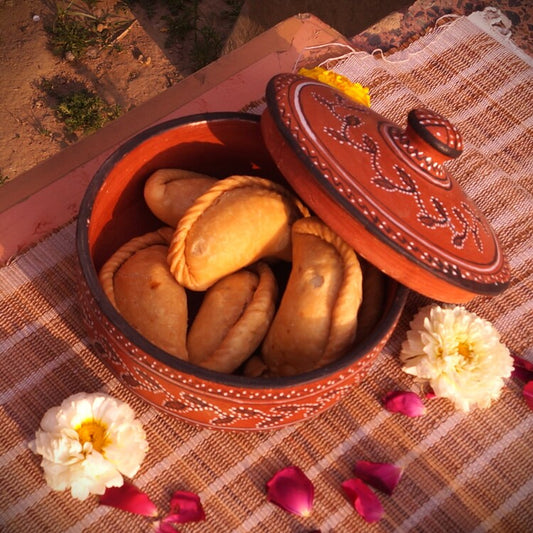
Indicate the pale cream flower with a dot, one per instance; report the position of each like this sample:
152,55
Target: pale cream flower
88,443
458,354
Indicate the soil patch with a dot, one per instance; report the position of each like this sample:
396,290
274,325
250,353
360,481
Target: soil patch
148,53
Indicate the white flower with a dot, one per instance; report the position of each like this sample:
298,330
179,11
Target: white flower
88,443
458,354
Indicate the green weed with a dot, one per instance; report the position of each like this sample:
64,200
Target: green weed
207,46
184,21
77,27
85,112
77,107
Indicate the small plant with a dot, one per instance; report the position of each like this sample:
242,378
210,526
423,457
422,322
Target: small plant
3,179
58,86
69,34
80,109
207,46
185,20
77,27
84,111
42,130
178,27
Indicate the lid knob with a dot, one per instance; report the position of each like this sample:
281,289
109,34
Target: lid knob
429,140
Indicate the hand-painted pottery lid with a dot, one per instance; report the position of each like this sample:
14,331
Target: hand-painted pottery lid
383,189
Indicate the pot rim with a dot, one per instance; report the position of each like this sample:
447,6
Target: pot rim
90,276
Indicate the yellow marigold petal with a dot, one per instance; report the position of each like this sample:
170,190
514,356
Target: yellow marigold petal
353,90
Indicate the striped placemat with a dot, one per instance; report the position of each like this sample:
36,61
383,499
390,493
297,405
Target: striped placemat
462,472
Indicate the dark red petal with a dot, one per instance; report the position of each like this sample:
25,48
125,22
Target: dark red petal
527,392
523,369
291,490
129,498
405,402
381,476
185,507
364,500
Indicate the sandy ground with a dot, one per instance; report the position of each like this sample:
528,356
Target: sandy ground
139,67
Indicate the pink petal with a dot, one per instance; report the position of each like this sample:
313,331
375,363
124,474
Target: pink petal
129,498
291,490
527,392
405,402
184,507
523,369
381,476
364,500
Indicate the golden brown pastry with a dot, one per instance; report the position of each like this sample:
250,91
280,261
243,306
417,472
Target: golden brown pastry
233,319
317,318
255,367
139,284
169,192
237,222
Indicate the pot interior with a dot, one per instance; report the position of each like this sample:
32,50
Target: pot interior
113,211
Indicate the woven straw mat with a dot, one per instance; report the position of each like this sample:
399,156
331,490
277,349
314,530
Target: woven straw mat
462,471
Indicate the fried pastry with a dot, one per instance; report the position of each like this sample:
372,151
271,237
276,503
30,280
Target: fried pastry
139,284
169,192
233,319
255,367
237,222
317,318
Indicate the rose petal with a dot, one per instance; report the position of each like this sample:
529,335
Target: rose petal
184,507
291,490
406,402
523,369
527,392
129,498
364,500
381,476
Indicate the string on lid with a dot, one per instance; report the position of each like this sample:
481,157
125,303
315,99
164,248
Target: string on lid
327,61
330,62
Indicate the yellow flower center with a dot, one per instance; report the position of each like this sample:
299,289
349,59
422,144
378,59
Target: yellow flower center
94,432
464,351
